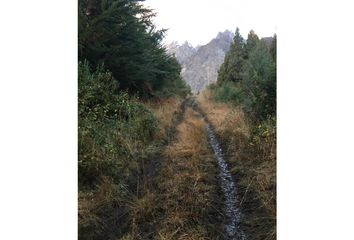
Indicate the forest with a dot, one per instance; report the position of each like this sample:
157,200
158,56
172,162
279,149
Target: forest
146,169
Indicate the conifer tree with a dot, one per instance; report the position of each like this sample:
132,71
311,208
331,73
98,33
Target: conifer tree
248,76
251,43
120,34
233,67
259,85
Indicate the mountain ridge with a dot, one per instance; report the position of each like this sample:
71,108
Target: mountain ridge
200,64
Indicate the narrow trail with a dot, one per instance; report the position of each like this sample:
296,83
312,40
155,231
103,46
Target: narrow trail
228,186
197,194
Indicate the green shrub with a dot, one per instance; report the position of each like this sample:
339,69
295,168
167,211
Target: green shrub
110,125
228,92
264,130
115,137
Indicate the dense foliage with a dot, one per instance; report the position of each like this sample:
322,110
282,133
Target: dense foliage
120,34
115,138
121,60
248,76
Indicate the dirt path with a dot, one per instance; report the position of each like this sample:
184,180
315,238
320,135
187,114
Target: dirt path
197,192
204,177
227,183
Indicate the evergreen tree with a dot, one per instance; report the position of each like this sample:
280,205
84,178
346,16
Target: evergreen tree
259,85
233,67
248,76
251,43
120,34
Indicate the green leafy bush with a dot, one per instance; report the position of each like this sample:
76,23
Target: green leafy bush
115,137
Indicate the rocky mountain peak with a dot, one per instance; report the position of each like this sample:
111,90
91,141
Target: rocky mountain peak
181,52
200,65
226,35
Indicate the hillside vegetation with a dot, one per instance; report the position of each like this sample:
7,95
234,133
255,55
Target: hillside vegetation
123,71
119,138
146,169
247,77
120,35
242,108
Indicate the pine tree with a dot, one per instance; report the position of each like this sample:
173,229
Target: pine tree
233,67
120,34
248,76
259,85
251,43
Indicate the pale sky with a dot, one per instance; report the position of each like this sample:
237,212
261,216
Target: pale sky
199,21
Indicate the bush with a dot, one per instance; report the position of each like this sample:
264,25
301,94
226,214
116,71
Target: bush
109,124
116,134
228,92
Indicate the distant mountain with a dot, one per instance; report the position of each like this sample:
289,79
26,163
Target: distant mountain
183,52
200,65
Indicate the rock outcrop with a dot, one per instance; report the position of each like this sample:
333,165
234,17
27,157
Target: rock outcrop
200,65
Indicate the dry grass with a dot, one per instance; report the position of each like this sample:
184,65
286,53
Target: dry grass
253,160
187,183
216,112
227,120
142,206
229,123
93,206
165,111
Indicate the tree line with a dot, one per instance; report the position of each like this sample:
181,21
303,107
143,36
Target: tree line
248,76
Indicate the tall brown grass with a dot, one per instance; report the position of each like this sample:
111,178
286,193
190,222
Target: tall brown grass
120,201
187,184
251,152
143,206
165,111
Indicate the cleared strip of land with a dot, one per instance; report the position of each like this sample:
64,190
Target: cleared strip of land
189,202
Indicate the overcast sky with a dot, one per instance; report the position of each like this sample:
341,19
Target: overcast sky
198,21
